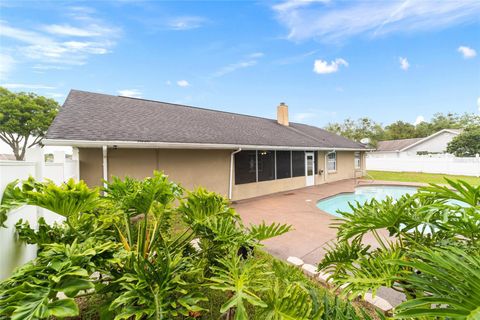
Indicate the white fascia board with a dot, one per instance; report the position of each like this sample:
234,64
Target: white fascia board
179,145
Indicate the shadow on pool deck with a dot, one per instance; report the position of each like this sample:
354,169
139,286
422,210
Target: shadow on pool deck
312,231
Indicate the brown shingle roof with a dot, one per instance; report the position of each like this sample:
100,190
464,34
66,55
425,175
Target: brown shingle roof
100,117
396,145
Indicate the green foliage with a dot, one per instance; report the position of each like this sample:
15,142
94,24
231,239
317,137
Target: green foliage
68,200
290,296
264,231
430,253
359,129
156,286
367,128
466,144
120,246
241,277
24,116
446,283
32,291
399,130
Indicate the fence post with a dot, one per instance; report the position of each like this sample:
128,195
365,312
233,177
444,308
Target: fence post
76,158
59,157
477,157
37,155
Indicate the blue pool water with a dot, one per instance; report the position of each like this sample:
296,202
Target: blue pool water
362,194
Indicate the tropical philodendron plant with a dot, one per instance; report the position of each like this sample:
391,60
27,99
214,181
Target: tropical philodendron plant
428,247
124,244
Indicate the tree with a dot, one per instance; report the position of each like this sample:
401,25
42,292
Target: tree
23,117
358,129
466,144
400,130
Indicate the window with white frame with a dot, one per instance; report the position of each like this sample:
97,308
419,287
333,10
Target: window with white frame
357,160
332,161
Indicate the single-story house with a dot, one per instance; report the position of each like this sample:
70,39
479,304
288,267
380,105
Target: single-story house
433,144
239,156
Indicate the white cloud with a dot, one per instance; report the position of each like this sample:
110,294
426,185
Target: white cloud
467,52
26,86
419,120
340,20
67,30
59,45
133,93
7,63
478,104
249,61
168,83
256,55
293,4
48,67
323,67
183,83
186,23
404,64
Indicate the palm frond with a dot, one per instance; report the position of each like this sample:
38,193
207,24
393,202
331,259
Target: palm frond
290,302
263,231
342,254
456,190
446,283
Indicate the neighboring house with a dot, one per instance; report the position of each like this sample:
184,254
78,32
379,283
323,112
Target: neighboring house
435,143
237,155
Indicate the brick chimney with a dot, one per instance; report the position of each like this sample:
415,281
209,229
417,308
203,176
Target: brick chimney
282,114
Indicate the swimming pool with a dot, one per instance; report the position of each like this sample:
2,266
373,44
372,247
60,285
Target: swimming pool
362,194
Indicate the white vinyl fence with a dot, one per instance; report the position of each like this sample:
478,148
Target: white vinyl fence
445,164
13,252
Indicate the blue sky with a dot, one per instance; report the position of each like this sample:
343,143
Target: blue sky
328,60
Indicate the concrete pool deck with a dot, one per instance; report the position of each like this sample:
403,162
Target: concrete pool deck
312,232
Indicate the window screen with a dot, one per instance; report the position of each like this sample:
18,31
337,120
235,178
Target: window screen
283,165
245,167
315,162
357,160
266,165
298,163
332,161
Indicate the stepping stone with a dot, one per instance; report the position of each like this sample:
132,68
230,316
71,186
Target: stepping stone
378,302
310,270
295,261
325,277
196,244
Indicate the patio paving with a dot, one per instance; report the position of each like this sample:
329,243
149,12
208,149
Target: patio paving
312,231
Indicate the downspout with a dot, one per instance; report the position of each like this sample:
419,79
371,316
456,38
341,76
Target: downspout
105,166
230,182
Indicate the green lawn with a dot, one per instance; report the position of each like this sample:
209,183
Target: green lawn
419,177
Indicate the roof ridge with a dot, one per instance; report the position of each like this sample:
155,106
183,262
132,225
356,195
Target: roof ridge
176,104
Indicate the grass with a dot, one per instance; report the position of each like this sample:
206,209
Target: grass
420,177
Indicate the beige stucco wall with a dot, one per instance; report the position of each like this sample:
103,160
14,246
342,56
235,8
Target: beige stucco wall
91,170
255,189
190,168
345,167
199,168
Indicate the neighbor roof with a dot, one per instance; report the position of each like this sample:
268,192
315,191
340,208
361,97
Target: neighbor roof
404,144
396,145
93,117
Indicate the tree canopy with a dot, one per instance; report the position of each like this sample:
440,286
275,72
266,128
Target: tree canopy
24,119
375,131
466,144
